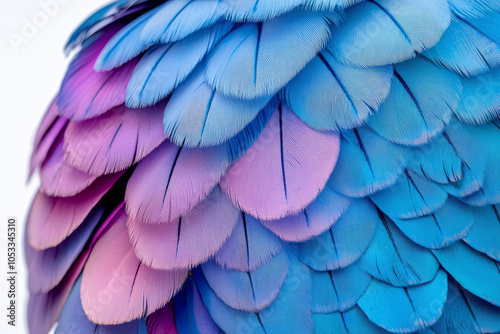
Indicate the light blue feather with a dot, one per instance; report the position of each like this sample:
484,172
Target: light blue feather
474,8
328,95
345,242
367,163
420,104
475,271
250,245
450,223
485,233
255,10
164,67
176,20
405,310
412,196
353,321
466,48
480,100
386,32
465,313
338,290
290,312
74,320
437,161
198,115
249,291
395,259
200,321
259,59
123,46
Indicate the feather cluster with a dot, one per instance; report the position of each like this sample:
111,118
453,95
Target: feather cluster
264,166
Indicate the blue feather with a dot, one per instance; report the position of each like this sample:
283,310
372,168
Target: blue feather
440,229
485,233
386,32
396,260
259,59
465,313
467,49
474,8
474,271
420,104
176,20
198,115
353,321
123,46
364,165
163,68
250,246
74,320
405,310
290,312
328,95
249,291
200,321
345,242
255,10
338,290
181,310
480,98
412,196
437,161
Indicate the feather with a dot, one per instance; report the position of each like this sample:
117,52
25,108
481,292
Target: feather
450,223
188,240
317,218
47,123
385,31
163,68
172,180
416,307
322,5
480,98
438,161
198,115
328,95
199,318
485,232
255,59
352,321
412,196
474,8
249,291
131,288
284,170
420,104
473,270
85,93
52,219
48,267
255,10
466,48
58,178
250,246
465,313
394,259
345,242
182,322
176,20
124,45
114,141
290,312
338,290
162,321
364,165
74,319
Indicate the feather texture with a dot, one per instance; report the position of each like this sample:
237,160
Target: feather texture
485,232
352,321
283,170
162,321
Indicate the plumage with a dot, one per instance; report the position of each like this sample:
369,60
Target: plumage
351,321
162,321
279,165
485,232
199,318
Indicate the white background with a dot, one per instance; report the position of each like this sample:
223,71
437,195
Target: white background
30,74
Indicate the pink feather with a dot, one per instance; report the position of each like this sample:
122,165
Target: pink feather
172,180
284,170
188,240
117,287
114,141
